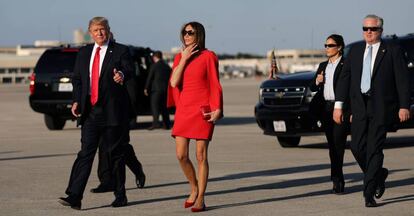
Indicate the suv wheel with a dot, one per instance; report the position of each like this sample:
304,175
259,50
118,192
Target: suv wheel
54,122
286,142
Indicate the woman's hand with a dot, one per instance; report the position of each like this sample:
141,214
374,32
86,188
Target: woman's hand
320,78
189,51
215,115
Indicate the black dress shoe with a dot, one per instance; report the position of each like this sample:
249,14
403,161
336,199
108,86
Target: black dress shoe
102,189
338,187
379,191
370,202
140,180
70,201
119,202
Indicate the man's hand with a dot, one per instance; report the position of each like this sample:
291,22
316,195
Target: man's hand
74,110
338,116
118,77
145,92
404,115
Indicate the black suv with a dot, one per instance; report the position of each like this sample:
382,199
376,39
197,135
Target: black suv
283,107
51,84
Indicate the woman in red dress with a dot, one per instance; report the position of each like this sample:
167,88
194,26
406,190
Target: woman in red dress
197,95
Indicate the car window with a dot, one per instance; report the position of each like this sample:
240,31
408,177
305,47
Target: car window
56,61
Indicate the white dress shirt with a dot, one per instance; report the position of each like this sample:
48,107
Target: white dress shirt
102,53
375,48
328,88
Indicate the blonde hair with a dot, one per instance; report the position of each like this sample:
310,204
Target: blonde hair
99,21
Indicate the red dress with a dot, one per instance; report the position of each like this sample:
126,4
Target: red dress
200,86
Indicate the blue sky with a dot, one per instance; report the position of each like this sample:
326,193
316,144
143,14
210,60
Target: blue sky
232,26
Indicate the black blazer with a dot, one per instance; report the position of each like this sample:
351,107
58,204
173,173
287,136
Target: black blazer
322,68
318,101
390,87
158,77
112,97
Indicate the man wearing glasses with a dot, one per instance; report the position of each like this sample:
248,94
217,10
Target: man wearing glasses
375,79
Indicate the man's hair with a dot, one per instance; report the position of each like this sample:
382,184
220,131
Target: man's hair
99,21
157,54
380,20
200,34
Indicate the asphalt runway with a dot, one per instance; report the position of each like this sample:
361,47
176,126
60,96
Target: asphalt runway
250,174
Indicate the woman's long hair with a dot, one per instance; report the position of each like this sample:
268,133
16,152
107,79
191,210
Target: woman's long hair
200,33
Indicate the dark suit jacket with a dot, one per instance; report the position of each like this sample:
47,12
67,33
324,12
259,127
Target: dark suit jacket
389,90
112,97
158,77
317,104
322,68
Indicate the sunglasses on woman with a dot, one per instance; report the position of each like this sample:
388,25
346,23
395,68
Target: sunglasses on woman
189,33
330,45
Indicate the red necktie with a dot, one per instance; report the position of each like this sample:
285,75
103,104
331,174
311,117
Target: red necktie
95,77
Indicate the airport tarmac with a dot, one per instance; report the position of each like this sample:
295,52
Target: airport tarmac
250,174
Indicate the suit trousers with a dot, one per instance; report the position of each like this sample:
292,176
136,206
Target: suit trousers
336,137
368,137
104,166
94,133
159,106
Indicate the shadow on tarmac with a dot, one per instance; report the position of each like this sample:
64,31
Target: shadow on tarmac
37,156
390,143
236,120
351,177
348,190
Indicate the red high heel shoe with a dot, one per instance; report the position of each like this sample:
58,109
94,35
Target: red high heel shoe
188,204
199,209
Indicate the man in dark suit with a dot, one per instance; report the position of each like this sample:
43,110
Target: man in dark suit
156,86
324,83
105,174
100,101
375,78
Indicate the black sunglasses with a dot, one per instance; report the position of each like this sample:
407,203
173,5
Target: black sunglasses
330,45
373,29
189,33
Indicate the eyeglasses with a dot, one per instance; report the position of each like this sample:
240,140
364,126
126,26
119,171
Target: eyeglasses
373,29
330,45
189,33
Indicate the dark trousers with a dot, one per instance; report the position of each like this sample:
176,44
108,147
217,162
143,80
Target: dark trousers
112,141
336,137
104,171
159,106
368,137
